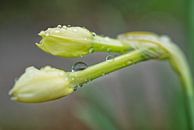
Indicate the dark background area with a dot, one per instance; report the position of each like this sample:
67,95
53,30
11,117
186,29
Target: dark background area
145,96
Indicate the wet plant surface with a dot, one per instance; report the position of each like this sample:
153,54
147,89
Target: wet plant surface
143,96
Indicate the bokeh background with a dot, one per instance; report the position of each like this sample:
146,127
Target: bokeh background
146,96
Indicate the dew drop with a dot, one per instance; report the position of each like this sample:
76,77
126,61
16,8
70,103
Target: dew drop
68,25
57,31
79,66
75,89
64,27
109,57
42,33
81,85
78,86
165,39
59,26
93,34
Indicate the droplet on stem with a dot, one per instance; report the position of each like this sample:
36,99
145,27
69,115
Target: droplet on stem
79,66
93,34
59,26
109,57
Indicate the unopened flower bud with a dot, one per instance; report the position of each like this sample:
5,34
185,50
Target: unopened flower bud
41,85
66,41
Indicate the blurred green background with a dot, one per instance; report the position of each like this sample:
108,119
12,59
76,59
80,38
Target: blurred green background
146,96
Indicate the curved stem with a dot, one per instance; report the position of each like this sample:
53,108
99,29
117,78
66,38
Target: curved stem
180,65
143,52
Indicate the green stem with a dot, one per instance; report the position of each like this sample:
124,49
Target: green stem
177,59
157,50
180,65
106,44
101,69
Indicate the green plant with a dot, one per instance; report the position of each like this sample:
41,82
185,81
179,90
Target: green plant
49,83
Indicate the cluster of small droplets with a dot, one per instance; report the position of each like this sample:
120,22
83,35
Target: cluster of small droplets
77,86
56,30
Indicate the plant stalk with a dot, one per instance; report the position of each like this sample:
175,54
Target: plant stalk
174,56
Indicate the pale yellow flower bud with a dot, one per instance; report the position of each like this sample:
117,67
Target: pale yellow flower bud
41,85
66,41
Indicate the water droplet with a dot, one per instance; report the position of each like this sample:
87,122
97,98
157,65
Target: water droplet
59,26
81,85
79,66
75,89
68,25
109,57
165,39
57,31
42,33
64,27
93,34
78,86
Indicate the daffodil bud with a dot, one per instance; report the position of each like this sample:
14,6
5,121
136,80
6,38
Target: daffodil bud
77,42
41,85
66,41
